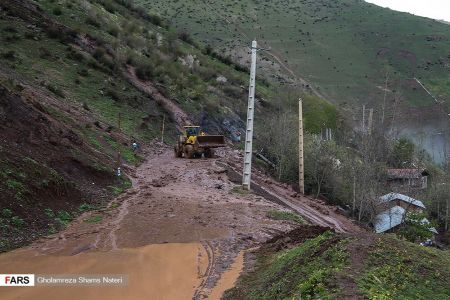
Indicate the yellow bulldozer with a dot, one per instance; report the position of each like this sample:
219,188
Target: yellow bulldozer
195,143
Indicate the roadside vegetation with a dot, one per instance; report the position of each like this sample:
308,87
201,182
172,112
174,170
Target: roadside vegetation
304,272
400,270
286,215
350,168
323,268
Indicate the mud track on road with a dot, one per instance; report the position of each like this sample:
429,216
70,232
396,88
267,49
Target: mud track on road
190,205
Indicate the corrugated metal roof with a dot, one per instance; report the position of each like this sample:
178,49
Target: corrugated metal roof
393,217
406,173
396,196
389,219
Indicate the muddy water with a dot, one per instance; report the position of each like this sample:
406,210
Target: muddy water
228,279
159,271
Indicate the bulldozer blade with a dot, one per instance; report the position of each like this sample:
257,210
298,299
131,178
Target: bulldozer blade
211,141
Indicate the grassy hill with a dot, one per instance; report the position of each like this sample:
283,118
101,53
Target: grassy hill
349,52
331,266
344,48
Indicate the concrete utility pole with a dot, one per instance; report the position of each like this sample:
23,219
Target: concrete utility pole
246,177
301,167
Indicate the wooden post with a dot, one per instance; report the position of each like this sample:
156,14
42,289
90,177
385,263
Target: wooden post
354,195
369,127
384,98
446,214
301,169
162,130
364,119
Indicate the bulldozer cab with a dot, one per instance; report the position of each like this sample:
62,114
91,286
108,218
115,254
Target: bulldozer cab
192,130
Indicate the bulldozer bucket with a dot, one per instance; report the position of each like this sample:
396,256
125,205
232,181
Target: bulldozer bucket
211,141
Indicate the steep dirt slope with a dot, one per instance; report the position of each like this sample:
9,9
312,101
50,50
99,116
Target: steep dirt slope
45,165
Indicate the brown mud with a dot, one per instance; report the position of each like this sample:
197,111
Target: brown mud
179,232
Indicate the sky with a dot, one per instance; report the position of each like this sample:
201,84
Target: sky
435,9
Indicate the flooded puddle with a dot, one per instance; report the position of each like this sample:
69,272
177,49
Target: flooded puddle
229,278
159,271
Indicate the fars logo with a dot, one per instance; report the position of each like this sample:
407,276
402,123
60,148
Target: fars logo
16,279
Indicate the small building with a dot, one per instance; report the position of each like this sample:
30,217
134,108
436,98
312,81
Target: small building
407,179
392,209
389,219
395,199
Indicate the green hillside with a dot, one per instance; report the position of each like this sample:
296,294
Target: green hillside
69,110
79,81
331,266
343,48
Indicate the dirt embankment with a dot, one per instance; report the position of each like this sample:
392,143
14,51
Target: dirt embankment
45,163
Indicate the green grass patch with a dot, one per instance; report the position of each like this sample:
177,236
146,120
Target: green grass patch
122,187
63,217
94,219
285,215
85,207
398,269
125,151
304,272
114,206
239,190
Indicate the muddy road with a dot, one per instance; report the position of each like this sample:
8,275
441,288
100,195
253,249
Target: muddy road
178,233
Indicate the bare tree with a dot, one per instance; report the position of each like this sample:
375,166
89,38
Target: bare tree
322,163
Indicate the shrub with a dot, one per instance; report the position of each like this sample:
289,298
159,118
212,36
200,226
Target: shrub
233,91
114,30
9,55
112,94
44,53
93,21
109,7
74,54
185,37
415,228
83,72
206,74
55,90
63,217
7,213
10,29
57,11
145,72
17,222
208,50
85,207
61,34
49,213
99,53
